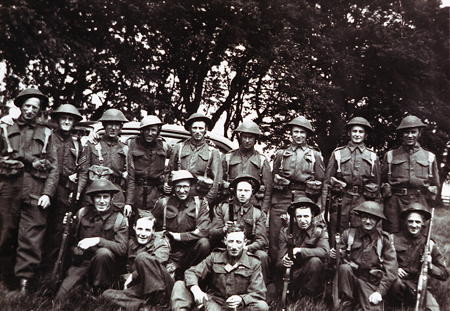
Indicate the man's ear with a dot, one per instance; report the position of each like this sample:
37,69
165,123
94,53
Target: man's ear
134,227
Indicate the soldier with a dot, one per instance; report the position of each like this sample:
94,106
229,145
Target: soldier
298,171
148,282
409,174
199,156
235,279
310,247
247,160
185,219
101,240
146,170
68,148
241,211
369,264
410,245
106,158
353,174
28,179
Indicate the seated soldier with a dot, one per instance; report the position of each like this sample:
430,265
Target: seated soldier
410,246
369,264
149,282
185,220
310,247
102,235
235,279
243,212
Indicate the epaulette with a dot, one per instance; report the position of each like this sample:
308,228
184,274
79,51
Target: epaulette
219,249
316,148
340,148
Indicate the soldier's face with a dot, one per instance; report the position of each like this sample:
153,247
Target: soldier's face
414,223
357,134
235,242
298,134
247,141
303,217
102,201
244,192
368,222
30,108
411,136
150,133
198,130
112,129
182,189
66,122
144,230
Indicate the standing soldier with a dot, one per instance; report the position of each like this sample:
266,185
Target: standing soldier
298,171
409,174
28,178
106,158
200,157
147,167
353,174
247,160
68,149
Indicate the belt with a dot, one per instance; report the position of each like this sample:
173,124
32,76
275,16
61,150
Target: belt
150,182
406,191
297,186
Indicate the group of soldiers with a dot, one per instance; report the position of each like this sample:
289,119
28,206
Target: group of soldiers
186,226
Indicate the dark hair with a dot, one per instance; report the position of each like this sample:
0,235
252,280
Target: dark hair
235,228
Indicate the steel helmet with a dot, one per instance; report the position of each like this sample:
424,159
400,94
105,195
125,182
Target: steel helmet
149,121
182,175
197,117
29,93
113,115
415,207
410,122
304,201
372,208
302,122
359,121
249,127
68,109
100,186
252,180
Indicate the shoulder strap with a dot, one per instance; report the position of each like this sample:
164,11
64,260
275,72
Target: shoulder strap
77,144
431,158
313,159
48,133
255,218
81,213
351,239
337,156
380,249
125,148
227,161
197,206
98,147
118,222
389,156
373,158
210,149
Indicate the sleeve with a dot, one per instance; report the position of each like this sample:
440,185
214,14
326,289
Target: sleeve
51,183
321,250
216,170
85,163
435,180
198,272
131,185
158,213
260,240
202,224
173,159
384,170
330,172
162,249
119,244
267,181
438,268
218,223
256,291
277,163
390,266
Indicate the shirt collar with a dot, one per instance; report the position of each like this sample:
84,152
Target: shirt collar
21,121
352,146
110,141
309,232
413,149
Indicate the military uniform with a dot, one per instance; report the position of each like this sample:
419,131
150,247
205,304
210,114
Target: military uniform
243,279
147,265
109,153
146,167
409,254
409,171
199,159
359,168
190,218
307,271
236,163
254,222
369,265
299,165
99,262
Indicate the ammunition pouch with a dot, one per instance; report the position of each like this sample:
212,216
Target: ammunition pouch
337,186
144,213
386,190
280,183
203,184
260,194
370,191
100,172
41,173
313,187
11,168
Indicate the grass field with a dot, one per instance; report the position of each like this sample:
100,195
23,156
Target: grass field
83,300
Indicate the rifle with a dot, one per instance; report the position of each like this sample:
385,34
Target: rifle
231,210
335,289
326,215
144,195
423,277
287,274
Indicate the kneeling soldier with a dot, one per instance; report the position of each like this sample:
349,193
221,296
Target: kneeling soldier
236,279
102,235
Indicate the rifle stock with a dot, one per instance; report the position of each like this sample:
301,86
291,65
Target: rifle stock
423,277
287,274
335,289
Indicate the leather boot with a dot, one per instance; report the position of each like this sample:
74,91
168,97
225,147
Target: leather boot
24,286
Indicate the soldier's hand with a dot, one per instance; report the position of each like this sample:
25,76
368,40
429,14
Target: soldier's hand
234,301
375,298
88,243
39,165
286,261
167,188
226,185
127,209
7,120
44,201
93,138
176,235
297,250
128,281
402,273
171,267
333,253
227,224
199,296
